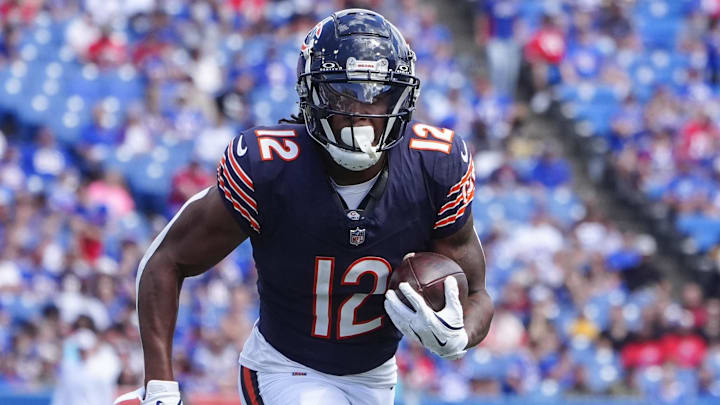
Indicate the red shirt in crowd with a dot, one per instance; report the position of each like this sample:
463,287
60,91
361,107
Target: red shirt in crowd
642,354
698,140
148,50
19,11
547,45
684,350
187,182
106,51
252,9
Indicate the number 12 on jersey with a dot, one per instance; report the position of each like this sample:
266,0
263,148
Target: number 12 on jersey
441,142
272,142
347,324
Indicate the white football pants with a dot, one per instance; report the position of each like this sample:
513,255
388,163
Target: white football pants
307,387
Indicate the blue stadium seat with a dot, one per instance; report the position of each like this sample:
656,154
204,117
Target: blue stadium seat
532,12
660,9
713,363
123,84
482,364
518,206
563,205
659,32
648,380
688,378
84,82
704,230
602,377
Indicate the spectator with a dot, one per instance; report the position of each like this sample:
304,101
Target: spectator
88,371
543,53
9,43
551,170
614,21
48,159
213,140
107,50
699,139
557,269
98,138
496,31
137,138
187,182
110,194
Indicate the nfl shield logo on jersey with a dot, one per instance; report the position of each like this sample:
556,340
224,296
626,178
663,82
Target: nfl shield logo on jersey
357,236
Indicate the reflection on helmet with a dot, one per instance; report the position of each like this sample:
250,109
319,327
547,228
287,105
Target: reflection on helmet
344,97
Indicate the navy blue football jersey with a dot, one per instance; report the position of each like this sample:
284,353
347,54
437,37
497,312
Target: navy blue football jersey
323,269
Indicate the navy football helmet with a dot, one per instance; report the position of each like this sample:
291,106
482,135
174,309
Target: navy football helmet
356,56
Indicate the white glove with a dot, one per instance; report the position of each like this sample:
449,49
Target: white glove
442,332
157,393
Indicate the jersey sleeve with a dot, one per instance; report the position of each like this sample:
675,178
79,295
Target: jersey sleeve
454,176
236,187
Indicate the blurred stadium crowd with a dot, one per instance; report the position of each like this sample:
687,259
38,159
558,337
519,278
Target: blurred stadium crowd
643,83
114,112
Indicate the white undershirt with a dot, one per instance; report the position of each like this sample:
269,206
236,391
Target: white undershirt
353,194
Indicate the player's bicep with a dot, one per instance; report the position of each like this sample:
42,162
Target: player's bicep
202,234
465,249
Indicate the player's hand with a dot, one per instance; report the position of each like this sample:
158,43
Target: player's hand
442,332
157,393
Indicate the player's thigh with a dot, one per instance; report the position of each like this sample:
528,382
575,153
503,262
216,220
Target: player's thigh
363,395
258,388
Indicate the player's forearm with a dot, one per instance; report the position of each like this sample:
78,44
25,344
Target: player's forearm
157,312
478,312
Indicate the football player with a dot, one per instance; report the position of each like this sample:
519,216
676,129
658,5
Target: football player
331,200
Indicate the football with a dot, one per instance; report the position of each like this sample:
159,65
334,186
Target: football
426,271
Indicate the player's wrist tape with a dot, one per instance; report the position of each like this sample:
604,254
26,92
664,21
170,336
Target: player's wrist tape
159,387
157,391
165,392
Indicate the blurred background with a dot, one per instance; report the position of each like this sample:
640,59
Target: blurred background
594,125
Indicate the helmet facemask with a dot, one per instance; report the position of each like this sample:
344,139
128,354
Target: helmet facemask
355,67
346,98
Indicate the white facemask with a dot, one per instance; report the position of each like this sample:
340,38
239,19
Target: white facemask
356,161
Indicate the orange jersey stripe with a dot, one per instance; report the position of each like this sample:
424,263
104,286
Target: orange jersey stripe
236,166
253,223
450,205
470,172
226,174
452,218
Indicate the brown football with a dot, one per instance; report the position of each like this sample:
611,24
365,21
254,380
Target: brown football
425,271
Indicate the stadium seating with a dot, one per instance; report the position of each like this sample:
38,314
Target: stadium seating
541,239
